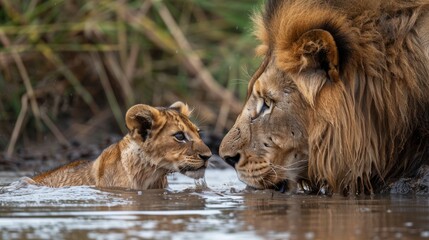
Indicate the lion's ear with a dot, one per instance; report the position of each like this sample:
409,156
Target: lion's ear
181,108
318,51
140,119
312,60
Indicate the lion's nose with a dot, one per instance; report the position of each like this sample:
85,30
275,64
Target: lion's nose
232,160
204,157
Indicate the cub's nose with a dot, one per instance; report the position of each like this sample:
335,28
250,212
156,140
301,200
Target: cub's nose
232,160
204,157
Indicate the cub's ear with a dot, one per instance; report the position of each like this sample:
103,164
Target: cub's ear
140,119
181,108
312,60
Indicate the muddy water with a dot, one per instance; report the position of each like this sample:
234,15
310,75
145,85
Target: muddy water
224,211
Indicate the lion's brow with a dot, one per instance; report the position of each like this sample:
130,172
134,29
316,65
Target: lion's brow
257,74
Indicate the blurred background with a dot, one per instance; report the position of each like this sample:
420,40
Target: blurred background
69,70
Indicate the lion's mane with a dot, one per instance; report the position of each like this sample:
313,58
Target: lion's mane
376,125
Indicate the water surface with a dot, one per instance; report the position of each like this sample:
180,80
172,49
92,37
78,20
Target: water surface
223,211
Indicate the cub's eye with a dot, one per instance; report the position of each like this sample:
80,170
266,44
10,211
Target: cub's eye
180,136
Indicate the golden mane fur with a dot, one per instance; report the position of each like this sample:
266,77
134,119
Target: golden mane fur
160,141
361,70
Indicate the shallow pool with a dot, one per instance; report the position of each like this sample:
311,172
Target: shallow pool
223,211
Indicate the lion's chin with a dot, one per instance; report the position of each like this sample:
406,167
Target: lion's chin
252,185
195,174
257,184
282,186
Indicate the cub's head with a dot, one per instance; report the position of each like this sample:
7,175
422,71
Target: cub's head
168,139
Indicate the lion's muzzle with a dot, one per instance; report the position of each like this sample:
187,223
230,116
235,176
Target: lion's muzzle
230,146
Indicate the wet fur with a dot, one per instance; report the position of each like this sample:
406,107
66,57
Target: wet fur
143,158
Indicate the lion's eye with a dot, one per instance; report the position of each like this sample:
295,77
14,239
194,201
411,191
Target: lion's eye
265,106
262,106
180,136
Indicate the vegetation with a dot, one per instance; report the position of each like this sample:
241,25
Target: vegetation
69,66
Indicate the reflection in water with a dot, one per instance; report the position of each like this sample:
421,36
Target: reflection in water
337,217
223,211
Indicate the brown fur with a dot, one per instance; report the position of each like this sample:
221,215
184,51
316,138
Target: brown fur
348,87
143,158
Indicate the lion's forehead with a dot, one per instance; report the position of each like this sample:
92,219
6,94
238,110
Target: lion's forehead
272,82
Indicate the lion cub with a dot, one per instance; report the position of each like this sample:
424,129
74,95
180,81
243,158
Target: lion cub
160,141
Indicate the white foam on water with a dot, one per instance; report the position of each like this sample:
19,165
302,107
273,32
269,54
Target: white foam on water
215,179
120,214
23,194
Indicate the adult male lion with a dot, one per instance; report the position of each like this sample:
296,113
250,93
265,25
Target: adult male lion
341,99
